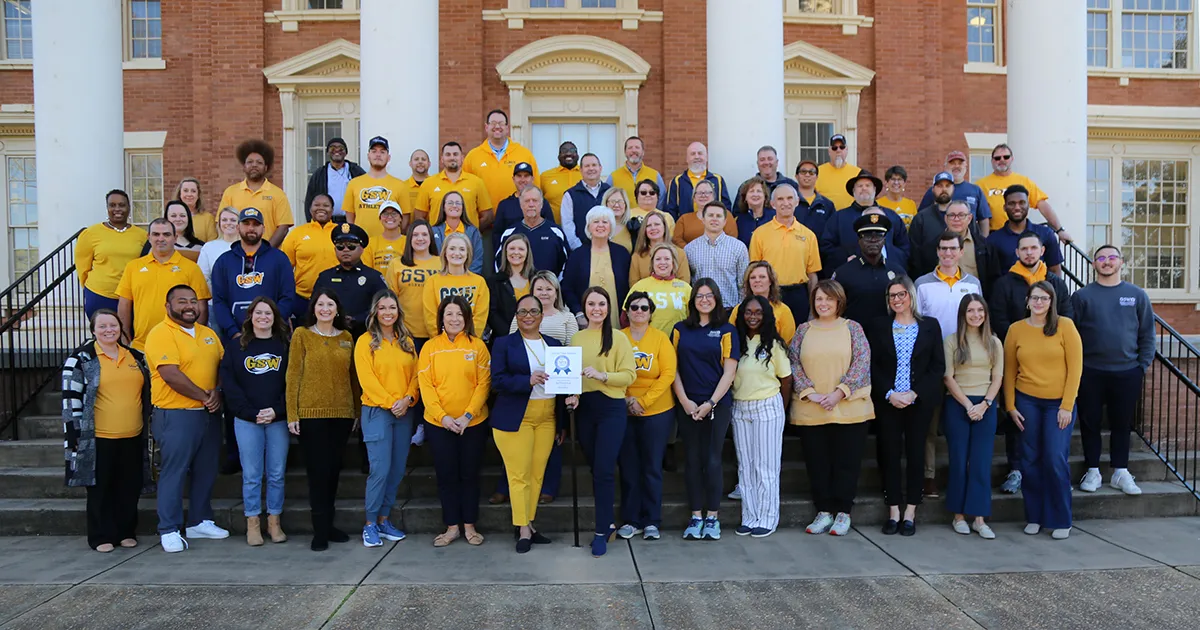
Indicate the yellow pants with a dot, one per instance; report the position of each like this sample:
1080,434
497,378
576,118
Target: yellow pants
525,452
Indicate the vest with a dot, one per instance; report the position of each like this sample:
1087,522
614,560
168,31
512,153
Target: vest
584,201
622,178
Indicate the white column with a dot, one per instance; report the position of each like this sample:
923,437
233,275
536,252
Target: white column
398,93
78,113
745,85
1047,102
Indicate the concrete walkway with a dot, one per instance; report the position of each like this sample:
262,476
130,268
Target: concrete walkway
1109,574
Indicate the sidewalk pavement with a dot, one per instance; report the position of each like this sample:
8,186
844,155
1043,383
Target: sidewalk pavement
1109,574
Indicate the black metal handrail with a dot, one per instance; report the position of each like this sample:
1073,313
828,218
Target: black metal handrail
41,324
1168,417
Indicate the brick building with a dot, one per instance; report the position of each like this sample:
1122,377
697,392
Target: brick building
905,80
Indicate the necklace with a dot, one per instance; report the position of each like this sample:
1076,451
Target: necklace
335,332
114,228
541,361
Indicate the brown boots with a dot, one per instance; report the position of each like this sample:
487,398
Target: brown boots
274,530
254,536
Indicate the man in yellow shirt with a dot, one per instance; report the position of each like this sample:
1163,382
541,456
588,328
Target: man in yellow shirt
452,177
146,280
556,181
833,175
366,193
1001,178
418,163
494,159
791,248
635,170
183,356
102,252
257,157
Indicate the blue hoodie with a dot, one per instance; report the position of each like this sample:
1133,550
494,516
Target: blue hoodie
237,279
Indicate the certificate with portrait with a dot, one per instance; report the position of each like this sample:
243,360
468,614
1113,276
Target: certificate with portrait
564,367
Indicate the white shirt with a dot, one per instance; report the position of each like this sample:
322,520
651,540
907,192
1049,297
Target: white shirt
336,181
536,351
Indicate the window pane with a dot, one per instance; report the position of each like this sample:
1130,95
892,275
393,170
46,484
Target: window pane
18,29
1154,221
814,141
816,6
317,134
145,187
1155,34
546,4
981,33
22,214
598,138
145,29
599,4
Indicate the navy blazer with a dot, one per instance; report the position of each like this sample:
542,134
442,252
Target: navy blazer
510,383
578,273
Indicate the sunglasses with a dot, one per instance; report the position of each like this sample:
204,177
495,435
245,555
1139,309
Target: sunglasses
639,307
806,171
1001,158
346,247
647,193
838,147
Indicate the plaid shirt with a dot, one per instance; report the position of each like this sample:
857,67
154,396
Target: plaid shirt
724,261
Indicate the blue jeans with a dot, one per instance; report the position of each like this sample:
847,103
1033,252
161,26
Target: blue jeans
190,441
641,468
387,438
601,421
93,302
969,489
1046,473
261,443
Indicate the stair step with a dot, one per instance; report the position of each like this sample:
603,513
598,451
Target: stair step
423,516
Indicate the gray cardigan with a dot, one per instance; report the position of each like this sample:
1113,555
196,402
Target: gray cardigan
80,383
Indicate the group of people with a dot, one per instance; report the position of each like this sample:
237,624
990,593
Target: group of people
415,312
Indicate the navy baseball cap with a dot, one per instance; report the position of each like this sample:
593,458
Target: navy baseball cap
523,167
943,176
250,214
380,140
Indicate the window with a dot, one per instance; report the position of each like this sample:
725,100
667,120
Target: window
590,137
1099,203
815,6
325,4
598,4
546,4
18,30
572,4
814,142
145,29
979,165
317,134
22,213
1154,34
983,31
145,186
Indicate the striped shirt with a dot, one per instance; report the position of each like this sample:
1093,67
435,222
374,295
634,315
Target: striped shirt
724,260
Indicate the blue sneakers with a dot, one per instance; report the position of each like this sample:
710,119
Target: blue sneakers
371,536
742,530
387,531
712,529
695,525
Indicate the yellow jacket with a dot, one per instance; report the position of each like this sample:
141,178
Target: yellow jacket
655,361
387,374
455,377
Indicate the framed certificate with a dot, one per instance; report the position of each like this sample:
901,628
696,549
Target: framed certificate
564,367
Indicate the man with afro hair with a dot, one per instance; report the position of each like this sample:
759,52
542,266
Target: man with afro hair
255,191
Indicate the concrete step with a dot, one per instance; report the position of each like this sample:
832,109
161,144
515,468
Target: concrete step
423,516
421,482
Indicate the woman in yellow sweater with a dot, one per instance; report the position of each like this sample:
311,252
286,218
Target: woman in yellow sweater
608,369
406,277
650,405
456,278
1043,361
385,359
456,375
617,201
103,250
320,406
656,228
761,281
666,290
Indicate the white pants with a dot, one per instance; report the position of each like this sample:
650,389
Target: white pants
758,440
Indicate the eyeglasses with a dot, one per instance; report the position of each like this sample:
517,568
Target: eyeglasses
957,215
529,312
1039,298
705,296
1111,258
639,307
806,171
871,236
344,247
899,295
647,193
1001,158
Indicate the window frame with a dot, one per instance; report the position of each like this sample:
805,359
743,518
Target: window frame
130,154
1113,68
293,12
23,63
626,11
999,64
139,63
845,13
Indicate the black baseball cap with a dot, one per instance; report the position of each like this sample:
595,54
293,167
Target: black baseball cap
380,140
335,140
523,167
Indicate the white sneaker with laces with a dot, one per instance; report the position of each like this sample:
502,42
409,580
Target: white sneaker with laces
207,529
1091,481
1123,481
820,524
841,525
736,493
173,542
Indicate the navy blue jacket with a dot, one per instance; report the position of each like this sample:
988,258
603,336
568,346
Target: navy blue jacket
578,273
238,279
510,383
815,215
508,213
547,240
581,202
679,193
746,223
253,379
839,241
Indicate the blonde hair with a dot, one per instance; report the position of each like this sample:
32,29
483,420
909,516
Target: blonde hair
616,191
643,241
669,248
446,245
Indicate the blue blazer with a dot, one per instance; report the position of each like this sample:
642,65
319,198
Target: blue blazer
578,273
510,383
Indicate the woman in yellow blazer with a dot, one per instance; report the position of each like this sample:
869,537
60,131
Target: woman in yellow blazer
385,359
456,377
456,278
650,405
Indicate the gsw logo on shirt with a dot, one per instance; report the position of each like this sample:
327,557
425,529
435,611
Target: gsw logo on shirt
374,196
252,279
263,363
642,361
416,276
466,292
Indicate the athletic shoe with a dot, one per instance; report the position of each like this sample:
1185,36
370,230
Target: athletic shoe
694,529
1033,529
418,437
761,532
207,529
173,542
1092,480
984,531
961,527
1060,534
1123,481
736,493
841,525
1012,483
820,524
628,531
387,531
651,533
371,536
742,530
599,545
712,529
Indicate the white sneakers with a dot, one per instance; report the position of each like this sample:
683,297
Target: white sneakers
207,529
820,524
1091,481
1032,529
173,542
841,525
1123,481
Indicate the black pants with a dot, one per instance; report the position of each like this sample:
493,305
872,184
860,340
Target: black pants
902,431
703,445
833,457
323,440
112,503
796,298
456,460
1119,391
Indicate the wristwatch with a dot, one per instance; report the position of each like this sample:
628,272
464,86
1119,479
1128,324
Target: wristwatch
988,402
711,403
469,415
1060,229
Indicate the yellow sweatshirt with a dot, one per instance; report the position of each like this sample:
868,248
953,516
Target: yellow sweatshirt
387,374
101,254
1041,366
469,285
408,283
654,361
310,250
618,364
455,377
670,301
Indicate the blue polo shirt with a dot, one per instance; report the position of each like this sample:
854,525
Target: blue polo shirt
1004,241
968,193
701,353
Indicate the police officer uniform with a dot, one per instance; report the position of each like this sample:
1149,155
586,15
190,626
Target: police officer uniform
355,286
866,284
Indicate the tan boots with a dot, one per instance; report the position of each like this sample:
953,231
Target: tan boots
274,530
253,532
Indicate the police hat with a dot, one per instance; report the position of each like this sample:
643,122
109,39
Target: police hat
350,232
872,223
251,214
